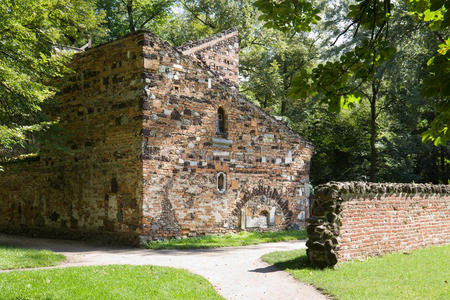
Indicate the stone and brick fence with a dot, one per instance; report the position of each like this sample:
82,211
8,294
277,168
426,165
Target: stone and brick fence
354,220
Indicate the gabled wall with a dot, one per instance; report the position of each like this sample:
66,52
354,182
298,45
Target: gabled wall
138,121
267,165
219,52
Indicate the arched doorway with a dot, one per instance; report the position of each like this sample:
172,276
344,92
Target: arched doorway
261,208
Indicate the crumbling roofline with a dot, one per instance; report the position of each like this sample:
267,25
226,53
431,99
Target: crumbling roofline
205,42
222,81
281,123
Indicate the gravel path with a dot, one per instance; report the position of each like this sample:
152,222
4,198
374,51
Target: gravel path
236,273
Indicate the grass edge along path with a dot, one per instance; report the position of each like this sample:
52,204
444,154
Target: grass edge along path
420,274
19,258
106,282
243,238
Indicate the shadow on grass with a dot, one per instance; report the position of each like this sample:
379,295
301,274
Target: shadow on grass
298,263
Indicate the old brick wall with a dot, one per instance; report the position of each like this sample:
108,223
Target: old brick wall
138,119
94,188
219,52
355,220
266,164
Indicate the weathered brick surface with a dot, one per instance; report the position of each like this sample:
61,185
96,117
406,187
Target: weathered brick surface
183,153
95,188
140,122
355,220
220,52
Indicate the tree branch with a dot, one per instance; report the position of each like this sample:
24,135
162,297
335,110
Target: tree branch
353,23
191,11
343,32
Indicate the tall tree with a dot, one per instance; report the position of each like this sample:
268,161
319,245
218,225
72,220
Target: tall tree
31,35
358,73
125,16
294,15
269,65
436,13
195,19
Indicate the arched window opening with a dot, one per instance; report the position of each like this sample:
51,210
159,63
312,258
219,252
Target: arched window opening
221,182
264,218
221,121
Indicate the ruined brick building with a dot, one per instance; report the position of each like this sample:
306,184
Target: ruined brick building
161,144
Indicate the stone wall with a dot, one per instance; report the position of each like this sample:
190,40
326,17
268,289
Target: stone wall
219,52
94,187
266,163
143,155
354,220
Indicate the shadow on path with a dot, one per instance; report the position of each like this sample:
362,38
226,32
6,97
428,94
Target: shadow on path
268,269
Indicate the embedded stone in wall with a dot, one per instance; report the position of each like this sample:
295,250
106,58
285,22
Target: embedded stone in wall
147,150
256,222
219,52
353,220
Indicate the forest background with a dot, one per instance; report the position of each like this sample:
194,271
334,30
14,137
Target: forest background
366,81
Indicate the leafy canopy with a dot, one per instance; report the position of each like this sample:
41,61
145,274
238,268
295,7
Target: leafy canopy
288,15
31,35
436,13
125,16
374,16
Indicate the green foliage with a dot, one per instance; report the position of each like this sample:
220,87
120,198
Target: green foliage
436,13
346,79
339,82
18,258
288,15
372,16
343,83
393,276
229,240
196,19
106,282
125,16
269,66
439,127
31,35
340,139
437,84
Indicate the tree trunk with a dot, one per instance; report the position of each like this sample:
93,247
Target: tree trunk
286,87
283,106
373,133
130,15
444,173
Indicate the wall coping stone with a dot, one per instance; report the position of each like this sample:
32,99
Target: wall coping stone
274,119
223,82
324,233
195,43
334,188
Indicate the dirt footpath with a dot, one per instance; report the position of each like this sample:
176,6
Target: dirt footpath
236,273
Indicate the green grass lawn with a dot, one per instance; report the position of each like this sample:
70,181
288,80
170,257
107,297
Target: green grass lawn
229,240
17,258
106,282
421,274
